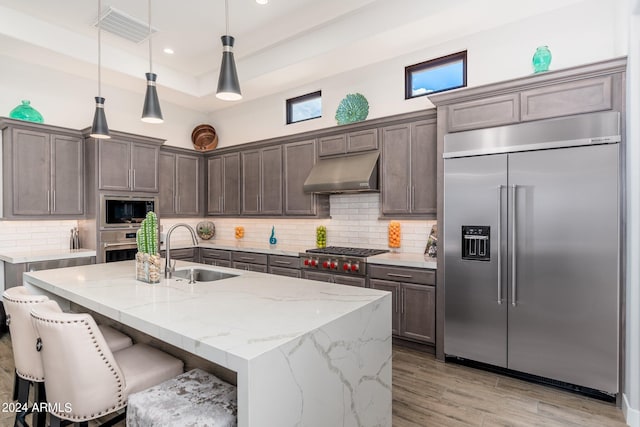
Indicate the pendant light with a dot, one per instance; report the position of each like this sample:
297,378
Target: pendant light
99,128
228,85
151,112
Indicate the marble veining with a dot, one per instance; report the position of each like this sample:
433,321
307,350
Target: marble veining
305,352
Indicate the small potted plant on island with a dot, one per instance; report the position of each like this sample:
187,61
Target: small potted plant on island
148,258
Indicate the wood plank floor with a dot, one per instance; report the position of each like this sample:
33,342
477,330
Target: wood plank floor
431,393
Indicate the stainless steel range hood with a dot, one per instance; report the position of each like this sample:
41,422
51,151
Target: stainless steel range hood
345,174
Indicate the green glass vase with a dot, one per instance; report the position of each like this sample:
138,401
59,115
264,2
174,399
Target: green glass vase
541,59
26,112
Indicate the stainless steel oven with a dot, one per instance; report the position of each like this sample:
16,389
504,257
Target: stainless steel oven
125,211
118,245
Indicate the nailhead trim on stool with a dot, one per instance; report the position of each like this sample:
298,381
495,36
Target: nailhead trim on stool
195,398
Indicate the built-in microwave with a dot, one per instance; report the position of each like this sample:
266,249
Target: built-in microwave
125,211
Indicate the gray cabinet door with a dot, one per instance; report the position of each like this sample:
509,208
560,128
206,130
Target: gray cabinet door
334,144
187,185
396,169
299,158
144,167
423,167
418,312
271,181
215,185
167,183
67,175
231,182
31,165
251,172
363,140
394,288
114,165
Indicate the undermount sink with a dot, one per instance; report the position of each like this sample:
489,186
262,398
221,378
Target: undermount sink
202,274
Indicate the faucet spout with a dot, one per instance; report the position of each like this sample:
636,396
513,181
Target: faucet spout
169,268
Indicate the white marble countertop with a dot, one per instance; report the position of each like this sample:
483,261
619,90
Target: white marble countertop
20,256
289,340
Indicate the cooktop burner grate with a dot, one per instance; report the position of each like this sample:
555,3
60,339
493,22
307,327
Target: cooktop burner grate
353,252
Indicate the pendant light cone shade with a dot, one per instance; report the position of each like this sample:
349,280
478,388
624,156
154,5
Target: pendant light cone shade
151,112
228,84
100,129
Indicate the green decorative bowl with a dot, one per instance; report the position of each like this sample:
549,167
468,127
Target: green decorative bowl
353,108
26,112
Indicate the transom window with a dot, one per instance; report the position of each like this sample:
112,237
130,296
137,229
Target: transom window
305,107
436,75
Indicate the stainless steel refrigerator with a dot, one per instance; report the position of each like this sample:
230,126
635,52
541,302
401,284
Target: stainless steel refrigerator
531,248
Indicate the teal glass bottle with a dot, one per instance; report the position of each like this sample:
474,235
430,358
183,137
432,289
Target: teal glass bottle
541,59
26,112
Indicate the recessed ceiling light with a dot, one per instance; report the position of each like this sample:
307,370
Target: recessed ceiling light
262,1
168,51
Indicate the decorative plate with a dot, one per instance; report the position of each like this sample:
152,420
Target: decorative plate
204,138
353,108
205,230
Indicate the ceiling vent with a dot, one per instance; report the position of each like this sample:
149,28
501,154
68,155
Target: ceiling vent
125,26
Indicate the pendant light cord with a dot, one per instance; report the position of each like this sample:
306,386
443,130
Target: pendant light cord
99,48
150,60
226,15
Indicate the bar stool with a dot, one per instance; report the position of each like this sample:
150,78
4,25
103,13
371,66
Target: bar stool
18,303
85,380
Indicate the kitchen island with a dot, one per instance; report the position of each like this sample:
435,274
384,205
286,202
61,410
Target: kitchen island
304,352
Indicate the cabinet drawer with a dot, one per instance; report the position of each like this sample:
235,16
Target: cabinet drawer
317,275
401,274
577,97
350,281
249,257
482,113
215,254
187,254
280,271
260,268
216,262
362,141
284,261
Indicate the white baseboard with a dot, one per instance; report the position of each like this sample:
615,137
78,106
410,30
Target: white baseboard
632,416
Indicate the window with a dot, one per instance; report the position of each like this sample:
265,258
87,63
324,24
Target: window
436,75
304,107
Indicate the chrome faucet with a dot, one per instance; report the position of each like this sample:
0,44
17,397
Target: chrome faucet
169,268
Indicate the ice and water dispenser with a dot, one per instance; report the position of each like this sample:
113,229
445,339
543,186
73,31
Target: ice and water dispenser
476,242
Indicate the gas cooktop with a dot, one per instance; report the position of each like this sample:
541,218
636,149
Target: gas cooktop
349,252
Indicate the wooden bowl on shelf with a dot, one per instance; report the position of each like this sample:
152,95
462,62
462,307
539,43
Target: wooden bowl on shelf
204,138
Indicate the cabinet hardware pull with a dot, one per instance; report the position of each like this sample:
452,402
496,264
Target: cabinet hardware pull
413,197
248,258
404,276
408,197
513,246
402,305
282,262
499,241
48,201
397,297
133,181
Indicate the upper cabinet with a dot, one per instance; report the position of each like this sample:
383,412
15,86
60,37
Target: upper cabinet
127,165
409,169
349,142
299,158
223,179
181,181
43,170
262,181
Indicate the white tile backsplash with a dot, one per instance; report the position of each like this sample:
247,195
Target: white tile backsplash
35,235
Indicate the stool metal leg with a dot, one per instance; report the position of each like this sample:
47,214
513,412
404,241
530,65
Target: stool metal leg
23,400
15,385
40,417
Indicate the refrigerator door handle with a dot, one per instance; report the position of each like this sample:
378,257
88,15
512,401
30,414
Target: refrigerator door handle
499,244
513,246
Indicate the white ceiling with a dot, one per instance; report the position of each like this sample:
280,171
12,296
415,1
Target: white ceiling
281,45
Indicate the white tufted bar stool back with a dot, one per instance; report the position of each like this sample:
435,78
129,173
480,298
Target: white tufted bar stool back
84,378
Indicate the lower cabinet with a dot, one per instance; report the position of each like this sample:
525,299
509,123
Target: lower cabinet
413,300
183,254
217,257
284,265
249,261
